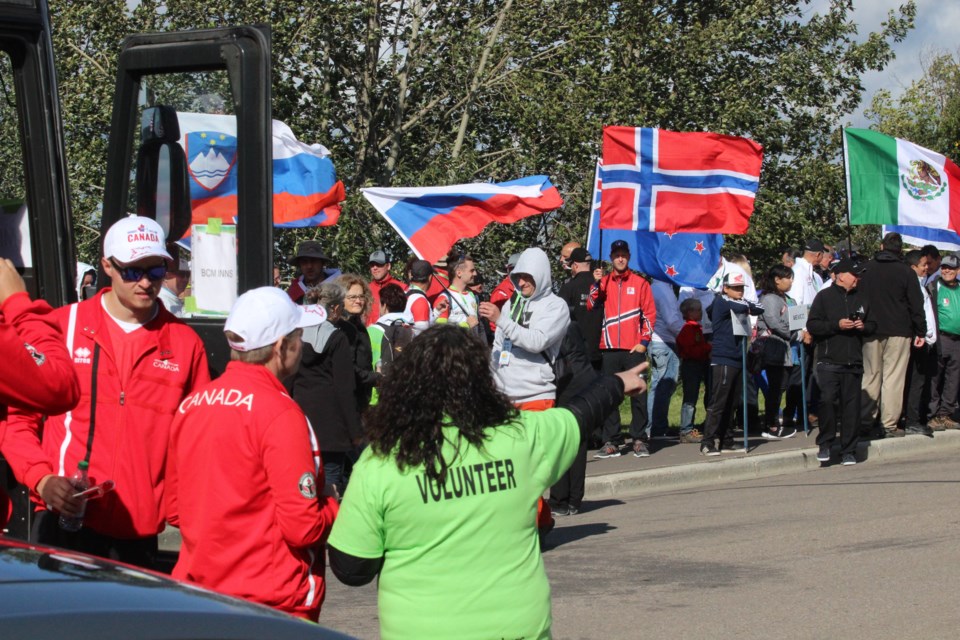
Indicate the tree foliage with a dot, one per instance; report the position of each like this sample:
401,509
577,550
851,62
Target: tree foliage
422,92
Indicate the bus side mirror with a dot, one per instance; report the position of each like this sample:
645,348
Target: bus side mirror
163,187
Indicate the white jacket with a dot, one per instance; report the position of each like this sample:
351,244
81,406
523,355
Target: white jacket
534,325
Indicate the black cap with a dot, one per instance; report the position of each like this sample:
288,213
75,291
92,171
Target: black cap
310,249
579,255
420,271
813,244
849,266
619,245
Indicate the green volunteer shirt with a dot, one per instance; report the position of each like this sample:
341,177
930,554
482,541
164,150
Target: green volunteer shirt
375,332
461,560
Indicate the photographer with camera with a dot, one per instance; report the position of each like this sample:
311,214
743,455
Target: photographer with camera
838,321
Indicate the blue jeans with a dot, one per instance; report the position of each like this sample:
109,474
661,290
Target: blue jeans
665,368
693,373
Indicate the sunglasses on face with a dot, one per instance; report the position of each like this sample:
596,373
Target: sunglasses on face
136,274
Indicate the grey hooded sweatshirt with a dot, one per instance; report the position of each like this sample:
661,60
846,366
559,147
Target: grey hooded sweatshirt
535,326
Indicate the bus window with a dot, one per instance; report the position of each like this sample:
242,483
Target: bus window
14,225
205,278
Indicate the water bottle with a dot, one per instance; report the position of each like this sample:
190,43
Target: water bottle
80,483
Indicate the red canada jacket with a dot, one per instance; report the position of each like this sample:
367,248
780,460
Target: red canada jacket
629,312
131,431
244,476
691,344
37,373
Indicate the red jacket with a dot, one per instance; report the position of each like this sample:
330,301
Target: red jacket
244,474
691,344
629,312
502,292
375,287
37,373
132,420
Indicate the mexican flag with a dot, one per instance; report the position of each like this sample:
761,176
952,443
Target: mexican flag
894,182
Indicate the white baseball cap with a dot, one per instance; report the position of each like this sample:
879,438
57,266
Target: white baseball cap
134,238
264,315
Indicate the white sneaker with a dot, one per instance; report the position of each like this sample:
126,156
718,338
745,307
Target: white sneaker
848,459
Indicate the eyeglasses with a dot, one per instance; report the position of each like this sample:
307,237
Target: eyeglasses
360,297
135,274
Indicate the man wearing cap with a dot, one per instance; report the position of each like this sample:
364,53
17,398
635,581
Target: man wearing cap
896,302
380,277
839,319
418,304
945,299
629,314
575,292
806,281
245,480
135,362
312,263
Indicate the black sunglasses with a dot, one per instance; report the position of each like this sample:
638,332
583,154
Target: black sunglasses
135,274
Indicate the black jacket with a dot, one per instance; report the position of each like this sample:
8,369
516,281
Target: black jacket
325,390
366,377
727,347
891,288
836,347
574,292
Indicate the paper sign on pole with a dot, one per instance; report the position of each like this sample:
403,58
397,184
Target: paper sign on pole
741,325
798,316
215,280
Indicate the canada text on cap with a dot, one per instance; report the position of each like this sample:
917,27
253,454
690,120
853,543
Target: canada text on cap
134,238
263,315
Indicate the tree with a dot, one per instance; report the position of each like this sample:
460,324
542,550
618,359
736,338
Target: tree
418,93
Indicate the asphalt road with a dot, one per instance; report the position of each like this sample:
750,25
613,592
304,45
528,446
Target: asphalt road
869,551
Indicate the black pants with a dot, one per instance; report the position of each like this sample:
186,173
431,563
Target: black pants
776,384
724,398
839,390
946,382
141,552
916,396
568,491
615,361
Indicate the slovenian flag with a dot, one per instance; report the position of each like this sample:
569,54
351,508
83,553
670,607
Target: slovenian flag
894,182
433,219
306,191
683,259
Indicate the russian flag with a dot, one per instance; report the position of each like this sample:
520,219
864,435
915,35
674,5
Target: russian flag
306,191
433,219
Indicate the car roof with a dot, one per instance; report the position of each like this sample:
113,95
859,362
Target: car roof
52,593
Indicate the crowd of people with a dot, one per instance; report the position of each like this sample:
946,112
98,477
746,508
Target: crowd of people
417,421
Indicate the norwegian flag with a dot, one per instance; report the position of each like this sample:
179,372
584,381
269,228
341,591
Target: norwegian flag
658,180
684,259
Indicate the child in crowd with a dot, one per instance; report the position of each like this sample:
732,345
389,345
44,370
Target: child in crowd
694,364
725,361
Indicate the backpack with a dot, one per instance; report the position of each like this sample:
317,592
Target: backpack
396,336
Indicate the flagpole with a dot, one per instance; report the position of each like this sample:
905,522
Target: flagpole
449,294
846,190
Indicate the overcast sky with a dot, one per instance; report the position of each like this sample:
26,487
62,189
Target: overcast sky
936,28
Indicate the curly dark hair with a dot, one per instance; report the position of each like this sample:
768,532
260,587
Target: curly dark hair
443,377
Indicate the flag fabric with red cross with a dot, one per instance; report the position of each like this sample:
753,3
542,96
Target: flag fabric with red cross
656,180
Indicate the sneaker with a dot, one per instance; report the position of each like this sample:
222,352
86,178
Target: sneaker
640,449
919,430
950,423
707,449
560,511
812,421
732,446
691,437
823,454
771,435
937,423
894,433
786,432
848,459
572,511
608,450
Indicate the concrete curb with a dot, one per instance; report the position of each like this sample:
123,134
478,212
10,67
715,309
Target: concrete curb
750,466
